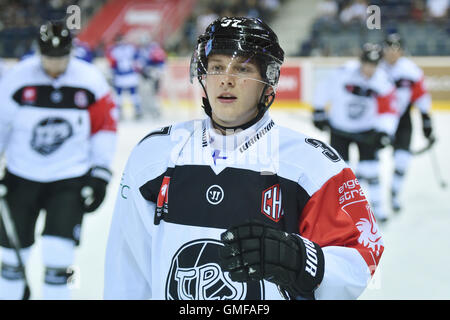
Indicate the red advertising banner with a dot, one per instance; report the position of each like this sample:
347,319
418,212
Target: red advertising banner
289,86
134,18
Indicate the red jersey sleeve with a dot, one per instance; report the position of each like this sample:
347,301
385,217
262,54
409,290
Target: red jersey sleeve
418,89
338,214
386,103
101,115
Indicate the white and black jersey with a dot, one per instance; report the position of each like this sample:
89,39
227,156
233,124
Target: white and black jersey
357,103
185,184
410,83
53,129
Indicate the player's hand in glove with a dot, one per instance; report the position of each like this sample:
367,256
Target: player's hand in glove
94,189
320,120
254,251
379,139
427,127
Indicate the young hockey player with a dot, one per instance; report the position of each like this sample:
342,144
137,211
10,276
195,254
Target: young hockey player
409,80
234,206
58,132
362,111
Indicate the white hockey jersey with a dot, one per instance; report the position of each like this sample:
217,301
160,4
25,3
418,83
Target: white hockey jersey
185,184
53,129
358,104
409,81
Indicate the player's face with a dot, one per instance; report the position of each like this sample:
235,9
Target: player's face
391,54
234,87
368,69
54,66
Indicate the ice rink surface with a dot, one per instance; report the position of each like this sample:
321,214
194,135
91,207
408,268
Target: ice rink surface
417,240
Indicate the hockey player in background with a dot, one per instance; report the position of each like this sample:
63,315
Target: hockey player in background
152,61
123,58
235,206
361,111
58,132
411,91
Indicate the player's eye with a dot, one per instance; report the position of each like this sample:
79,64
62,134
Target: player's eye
216,68
243,69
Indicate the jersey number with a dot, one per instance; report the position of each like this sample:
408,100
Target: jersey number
327,151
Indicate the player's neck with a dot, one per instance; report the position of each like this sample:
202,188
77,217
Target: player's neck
393,61
54,75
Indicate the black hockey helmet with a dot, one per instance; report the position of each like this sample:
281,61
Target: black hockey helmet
393,40
371,53
54,39
240,36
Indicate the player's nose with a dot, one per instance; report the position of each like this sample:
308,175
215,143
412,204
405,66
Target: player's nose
227,80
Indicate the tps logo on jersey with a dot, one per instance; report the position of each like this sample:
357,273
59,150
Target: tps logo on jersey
49,134
356,109
271,203
195,274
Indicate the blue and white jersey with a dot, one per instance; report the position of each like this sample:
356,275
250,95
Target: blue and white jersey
124,61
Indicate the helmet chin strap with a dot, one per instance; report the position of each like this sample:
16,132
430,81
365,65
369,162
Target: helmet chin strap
263,106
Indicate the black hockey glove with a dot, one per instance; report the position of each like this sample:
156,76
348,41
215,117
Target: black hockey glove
254,251
379,139
427,127
320,120
94,188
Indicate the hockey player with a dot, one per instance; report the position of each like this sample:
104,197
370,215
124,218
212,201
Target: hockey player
152,61
58,132
409,80
123,60
234,206
362,111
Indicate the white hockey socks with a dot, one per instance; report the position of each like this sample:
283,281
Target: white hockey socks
12,284
58,256
368,172
402,159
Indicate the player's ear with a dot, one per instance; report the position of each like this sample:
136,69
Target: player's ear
269,91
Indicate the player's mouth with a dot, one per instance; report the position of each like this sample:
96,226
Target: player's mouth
226,98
